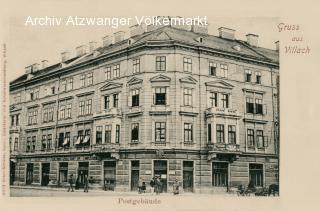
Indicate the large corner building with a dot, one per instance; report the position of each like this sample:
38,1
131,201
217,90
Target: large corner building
173,102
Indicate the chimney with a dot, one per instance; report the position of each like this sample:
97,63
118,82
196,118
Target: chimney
106,40
28,69
81,50
136,30
65,55
199,29
35,67
252,39
118,36
92,46
226,33
44,64
277,45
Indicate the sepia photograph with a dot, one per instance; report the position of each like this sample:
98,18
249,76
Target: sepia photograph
159,109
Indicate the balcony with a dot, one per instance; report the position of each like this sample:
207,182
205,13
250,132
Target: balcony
222,112
160,110
111,112
224,148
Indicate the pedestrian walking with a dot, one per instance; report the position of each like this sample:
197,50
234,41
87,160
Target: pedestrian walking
86,184
140,186
176,187
152,184
71,183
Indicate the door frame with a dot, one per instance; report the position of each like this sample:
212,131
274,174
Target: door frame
193,173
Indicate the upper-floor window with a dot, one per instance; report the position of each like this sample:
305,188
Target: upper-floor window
34,95
116,71
188,132
248,75
209,132
224,100
117,134
220,133
212,68
99,135
106,102
136,66
90,78
82,80
187,64
160,96
17,98
12,120
160,63
48,114
260,137
88,105
85,107
108,133
32,117
259,106
28,145
255,106
224,70
160,131
250,137
69,84
187,97
135,97
258,77
33,146
16,144
232,134
115,100
135,132
107,73
17,119
249,105
213,97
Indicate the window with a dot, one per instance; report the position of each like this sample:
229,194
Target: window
79,137
160,131
68,111
209,134
248,75
87,137
99,135
90,78
12,120
213,98
136,66
117,134
88,105
187,64
62,112
256,174
17,119
70,84
224,70
31,96
250,137
32,117
18,98
135,97
53,90
220,174
108,134
225,100
106,102
135,132
107,73
188,132
212,69
116,71
249,105
28,146
44,142
33,147
261,139
232,134
49,141
160,63
160,96
63,85
259,106
63,172
82,80
60,139
258,77
66,142
220,133
115,100
187,97
16,144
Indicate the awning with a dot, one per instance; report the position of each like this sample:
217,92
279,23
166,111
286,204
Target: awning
86,139
78,140
65,141
13,160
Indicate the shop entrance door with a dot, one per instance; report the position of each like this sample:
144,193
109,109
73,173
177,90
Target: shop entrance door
29,176
188,176
12,172
160,170
135,172
45,174
83,172
110,175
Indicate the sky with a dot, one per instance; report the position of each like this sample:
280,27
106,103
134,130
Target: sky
32,44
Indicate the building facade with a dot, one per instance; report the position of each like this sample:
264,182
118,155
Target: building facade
172,102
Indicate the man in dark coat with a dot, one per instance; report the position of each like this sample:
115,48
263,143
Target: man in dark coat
71,183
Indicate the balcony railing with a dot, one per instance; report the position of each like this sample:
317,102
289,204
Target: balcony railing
221,111
223,147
